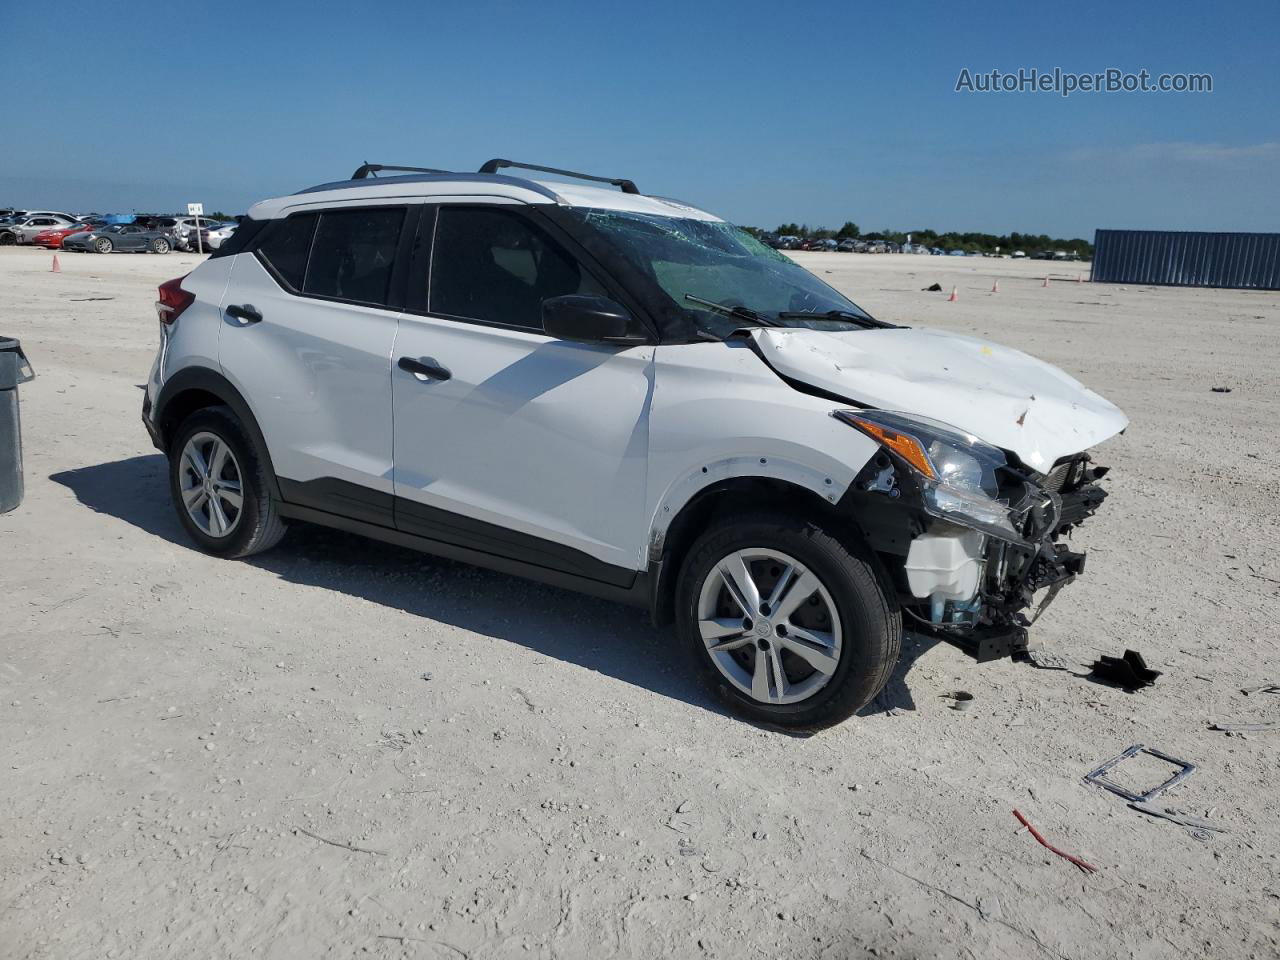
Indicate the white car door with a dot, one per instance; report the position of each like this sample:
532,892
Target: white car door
309,317
506,440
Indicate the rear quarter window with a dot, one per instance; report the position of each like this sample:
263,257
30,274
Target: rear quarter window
285,245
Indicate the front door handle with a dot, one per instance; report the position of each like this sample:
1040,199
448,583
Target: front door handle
246,313
425,368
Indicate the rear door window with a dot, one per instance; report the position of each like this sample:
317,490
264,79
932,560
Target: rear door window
353,253
285,246
495,266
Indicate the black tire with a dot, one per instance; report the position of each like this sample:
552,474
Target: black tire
258,526
160,245
103,245
870,620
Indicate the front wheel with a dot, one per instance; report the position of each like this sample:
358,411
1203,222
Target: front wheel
103,245
786,622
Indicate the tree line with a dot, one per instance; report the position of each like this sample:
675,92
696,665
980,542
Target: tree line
968,242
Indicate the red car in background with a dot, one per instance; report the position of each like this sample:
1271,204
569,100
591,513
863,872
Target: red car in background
52,239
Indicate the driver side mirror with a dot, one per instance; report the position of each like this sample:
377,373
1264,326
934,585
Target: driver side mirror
585,319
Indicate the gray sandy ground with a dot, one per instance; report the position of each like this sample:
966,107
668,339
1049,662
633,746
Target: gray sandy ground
528,773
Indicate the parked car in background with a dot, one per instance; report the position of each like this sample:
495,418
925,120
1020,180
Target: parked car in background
53,237
119,238
214,236
847,245
185,231
1019,255
24,230
826,244
180,230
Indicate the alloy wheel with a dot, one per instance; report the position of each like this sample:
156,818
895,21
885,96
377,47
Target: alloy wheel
210,481
769,625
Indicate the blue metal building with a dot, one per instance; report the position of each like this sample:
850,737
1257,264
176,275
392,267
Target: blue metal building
1243,261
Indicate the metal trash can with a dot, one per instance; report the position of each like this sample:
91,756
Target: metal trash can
14,369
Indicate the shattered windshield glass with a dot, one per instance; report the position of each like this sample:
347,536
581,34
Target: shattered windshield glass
707,260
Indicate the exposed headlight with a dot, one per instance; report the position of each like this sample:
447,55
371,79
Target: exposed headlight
956,470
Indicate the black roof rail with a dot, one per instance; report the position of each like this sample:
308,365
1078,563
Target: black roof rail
367,169
493,166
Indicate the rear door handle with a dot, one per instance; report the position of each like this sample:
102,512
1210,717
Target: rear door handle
424,368
246,313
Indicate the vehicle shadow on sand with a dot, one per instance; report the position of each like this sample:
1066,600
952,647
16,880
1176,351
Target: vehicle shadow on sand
609,638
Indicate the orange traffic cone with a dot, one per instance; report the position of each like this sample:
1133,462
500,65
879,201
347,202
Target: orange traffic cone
56,268
995,287
1046,282
955,295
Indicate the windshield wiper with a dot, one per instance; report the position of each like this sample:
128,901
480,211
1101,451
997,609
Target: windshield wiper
742,313
861,319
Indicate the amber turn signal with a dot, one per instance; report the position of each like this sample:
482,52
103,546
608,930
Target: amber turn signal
903,444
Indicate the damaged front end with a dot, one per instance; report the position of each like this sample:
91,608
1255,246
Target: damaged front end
971,536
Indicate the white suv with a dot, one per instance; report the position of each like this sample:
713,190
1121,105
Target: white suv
628,396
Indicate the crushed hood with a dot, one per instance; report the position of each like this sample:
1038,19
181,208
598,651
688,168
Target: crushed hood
1000,395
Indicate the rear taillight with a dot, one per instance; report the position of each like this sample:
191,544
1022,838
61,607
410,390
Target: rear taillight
173,300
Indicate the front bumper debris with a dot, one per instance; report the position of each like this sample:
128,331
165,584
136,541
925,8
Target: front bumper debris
1016,579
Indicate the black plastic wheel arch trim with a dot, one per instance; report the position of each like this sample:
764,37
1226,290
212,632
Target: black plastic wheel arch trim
207,380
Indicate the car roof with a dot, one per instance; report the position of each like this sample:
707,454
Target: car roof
479,186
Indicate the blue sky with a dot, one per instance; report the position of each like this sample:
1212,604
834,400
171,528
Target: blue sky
763,112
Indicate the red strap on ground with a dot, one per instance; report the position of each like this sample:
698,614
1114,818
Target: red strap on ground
1084,867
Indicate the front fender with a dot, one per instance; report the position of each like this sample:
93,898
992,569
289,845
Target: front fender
719,413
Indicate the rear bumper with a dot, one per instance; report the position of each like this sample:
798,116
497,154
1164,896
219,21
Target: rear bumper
152,429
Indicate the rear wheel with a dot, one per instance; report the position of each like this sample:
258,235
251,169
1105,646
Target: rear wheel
160,245
786,622
219,486
103,245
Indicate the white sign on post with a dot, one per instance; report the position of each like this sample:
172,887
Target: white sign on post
197,210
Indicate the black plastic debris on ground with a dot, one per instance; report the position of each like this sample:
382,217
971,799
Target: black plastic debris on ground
1129,671
932,288
1220,389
